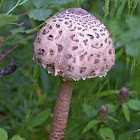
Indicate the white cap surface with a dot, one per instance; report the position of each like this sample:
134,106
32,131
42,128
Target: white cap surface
75,45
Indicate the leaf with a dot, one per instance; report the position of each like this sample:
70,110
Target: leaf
42,98
119,53
7,19
90,125
106,7
39,119
59,1
29,31
89,110
22,30
35,72
41,3
17,137
111,108
130,36
113,119
107,133
132,48
107,93
120,10
134,104
17,30
134,22
40,14
3,134
45,81
126,112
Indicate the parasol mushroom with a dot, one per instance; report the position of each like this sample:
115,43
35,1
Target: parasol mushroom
75,45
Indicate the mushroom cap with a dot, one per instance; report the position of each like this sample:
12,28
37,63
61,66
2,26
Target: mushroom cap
75,45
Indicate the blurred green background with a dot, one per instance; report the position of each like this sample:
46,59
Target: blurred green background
28,93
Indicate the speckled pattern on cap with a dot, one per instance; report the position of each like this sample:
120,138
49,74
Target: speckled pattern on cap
75,45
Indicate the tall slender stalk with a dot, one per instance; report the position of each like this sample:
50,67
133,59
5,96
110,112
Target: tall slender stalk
61,110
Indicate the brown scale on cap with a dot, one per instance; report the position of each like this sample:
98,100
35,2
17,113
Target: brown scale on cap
67,36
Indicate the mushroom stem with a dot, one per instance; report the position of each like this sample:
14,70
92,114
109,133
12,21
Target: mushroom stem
61,110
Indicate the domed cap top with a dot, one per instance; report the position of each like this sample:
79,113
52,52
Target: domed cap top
75,45
78,11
